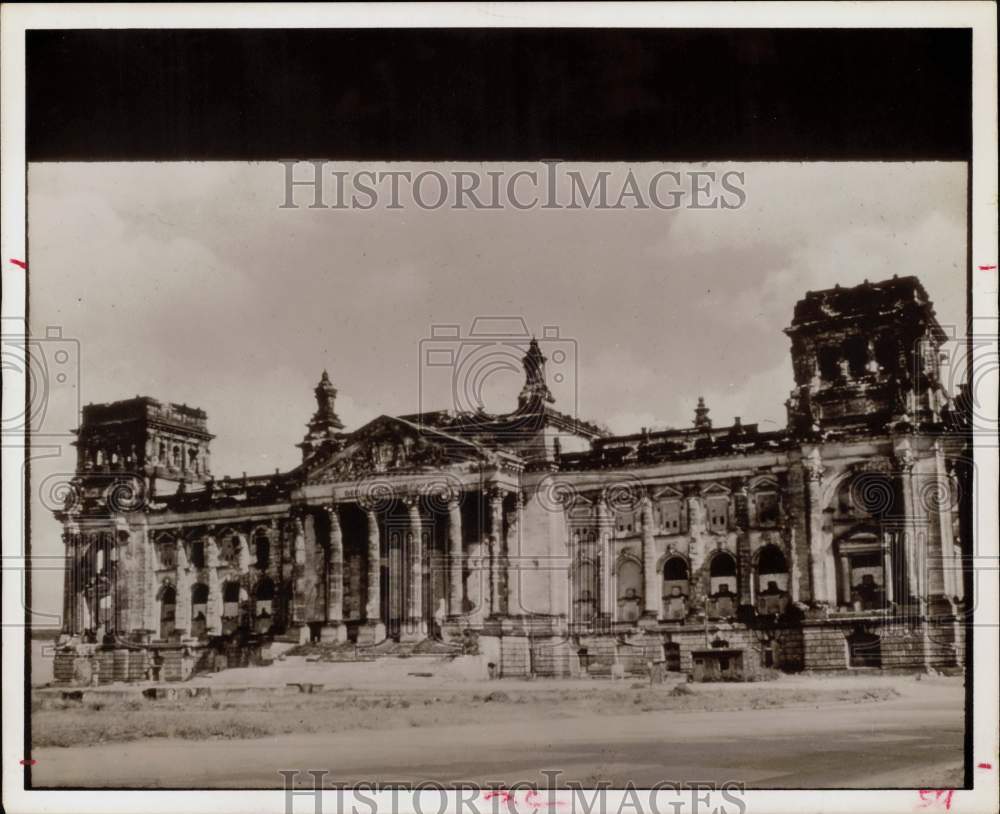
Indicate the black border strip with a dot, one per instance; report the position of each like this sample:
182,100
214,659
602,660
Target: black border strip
499,94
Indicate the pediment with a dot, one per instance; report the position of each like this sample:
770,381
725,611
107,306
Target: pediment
394,445
715,489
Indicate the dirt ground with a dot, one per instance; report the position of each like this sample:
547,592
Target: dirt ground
798,731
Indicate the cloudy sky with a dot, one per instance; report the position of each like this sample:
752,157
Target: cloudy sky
188,283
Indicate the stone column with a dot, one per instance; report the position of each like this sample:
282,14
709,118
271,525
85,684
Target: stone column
373,630
151,609
905,460
415,627
650,599
496,540
887,566
514,606
69,582
333,629
813,467
213,610
604,529
182,611
455,564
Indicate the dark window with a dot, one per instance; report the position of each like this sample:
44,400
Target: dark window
856,353
767,508
675,568
263,547
771,560
829,364
886,353
723,565
198,554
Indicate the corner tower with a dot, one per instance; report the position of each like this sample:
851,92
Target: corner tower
866,356
167,444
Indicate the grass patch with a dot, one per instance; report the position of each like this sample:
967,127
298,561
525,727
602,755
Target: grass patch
59,722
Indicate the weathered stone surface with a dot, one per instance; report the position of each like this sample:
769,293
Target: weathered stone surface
543,533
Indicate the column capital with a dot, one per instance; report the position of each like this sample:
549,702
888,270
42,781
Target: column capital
905,459
495,493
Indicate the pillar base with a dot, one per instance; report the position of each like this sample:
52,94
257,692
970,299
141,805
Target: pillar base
333,632
413,630
371,632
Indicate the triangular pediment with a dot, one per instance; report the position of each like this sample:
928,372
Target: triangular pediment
715,489
389,445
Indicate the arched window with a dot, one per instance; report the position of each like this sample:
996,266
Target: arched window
231,600
772,570
722,585
675,577
168,611
722,574
199,609
264,604
629,590
772,580
676,581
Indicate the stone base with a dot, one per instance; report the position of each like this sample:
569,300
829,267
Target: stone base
649,620
371,632
413,631
333,632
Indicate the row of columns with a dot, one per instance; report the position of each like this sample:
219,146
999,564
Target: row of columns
90,581
414,623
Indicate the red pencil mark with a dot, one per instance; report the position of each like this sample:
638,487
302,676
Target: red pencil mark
19,263
504,795
987,268
985,766
530,799
29,762
936,798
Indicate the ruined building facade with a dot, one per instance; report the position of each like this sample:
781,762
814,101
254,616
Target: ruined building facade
541,542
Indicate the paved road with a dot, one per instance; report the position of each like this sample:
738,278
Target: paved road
897,743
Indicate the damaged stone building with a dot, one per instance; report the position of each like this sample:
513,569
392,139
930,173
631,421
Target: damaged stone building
537,540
